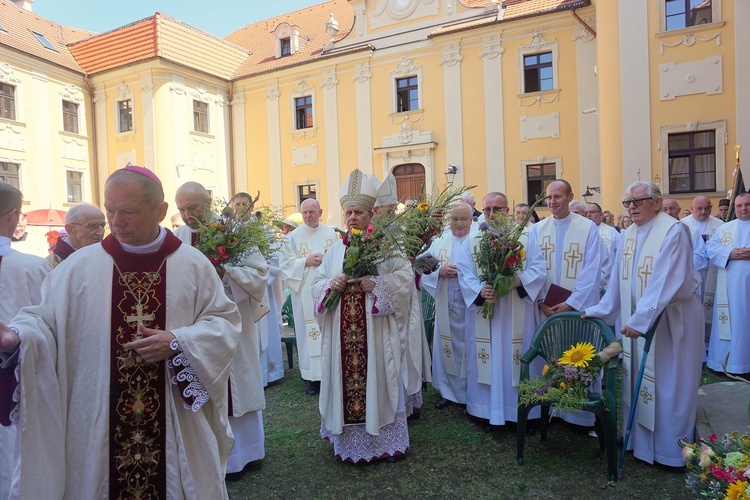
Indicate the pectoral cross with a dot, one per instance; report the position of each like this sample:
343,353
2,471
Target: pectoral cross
573,257
627,256
304,250
139,316
546,247
645,271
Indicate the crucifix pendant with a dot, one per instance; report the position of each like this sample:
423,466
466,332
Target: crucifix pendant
139,317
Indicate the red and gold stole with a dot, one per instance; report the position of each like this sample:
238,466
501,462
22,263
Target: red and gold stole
137,412
353,353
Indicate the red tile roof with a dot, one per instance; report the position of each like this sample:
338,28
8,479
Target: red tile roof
159,36
20,23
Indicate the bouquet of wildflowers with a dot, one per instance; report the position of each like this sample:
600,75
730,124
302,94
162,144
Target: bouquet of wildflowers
500,255
565,382
422,222
365,251
225,238
719,468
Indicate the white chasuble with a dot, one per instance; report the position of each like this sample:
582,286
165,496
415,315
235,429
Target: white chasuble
572,248
298,245
21,277
66,362
495,346
708,288
637,267
729,334
666,281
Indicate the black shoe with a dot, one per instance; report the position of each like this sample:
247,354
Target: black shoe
395,458
442,403
315,386
309,388
416,414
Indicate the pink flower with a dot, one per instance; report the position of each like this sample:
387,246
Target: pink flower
512,261
712,437
213,260
370,229
224,257
221,250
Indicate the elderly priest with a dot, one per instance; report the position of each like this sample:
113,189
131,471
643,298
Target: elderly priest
122,367
654,273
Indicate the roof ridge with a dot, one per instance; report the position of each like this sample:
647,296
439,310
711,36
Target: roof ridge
108,32
286,14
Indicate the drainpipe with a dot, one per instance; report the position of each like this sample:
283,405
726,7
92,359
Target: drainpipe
231,179
589,28
95,170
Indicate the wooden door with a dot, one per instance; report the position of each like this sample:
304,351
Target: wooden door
410,179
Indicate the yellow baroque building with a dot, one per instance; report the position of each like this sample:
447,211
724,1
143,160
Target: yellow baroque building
502,95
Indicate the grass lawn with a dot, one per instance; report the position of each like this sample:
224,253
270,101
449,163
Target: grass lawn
450,457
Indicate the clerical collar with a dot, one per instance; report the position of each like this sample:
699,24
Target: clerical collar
5,248
67,240
564,220
148,247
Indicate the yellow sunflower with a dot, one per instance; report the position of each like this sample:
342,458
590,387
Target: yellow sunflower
423,207
736,490
578,355
545,370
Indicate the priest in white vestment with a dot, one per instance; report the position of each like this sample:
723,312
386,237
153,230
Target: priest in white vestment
654,273
362,391
123,366
271,355
571,245
21,277
729,250
610,240
449,338
301,254
495,346
704,225
245,285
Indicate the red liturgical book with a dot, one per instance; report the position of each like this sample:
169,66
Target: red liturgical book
556,294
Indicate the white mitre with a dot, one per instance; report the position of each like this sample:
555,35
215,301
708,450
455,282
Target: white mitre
358,190
387,193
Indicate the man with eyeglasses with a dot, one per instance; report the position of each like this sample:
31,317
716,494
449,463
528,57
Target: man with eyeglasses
494,345
654,274
84,224
705,225
571,245
23,274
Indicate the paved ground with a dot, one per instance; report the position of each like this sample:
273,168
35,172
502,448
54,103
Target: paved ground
723,408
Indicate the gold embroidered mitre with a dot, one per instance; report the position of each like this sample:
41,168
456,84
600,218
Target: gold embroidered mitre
358,190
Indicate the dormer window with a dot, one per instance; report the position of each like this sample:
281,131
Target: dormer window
286,47
287,40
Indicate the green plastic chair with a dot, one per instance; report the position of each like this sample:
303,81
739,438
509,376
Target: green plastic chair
287,315
555,335
428,316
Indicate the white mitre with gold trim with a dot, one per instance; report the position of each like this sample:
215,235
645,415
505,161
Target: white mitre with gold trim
358,190
387,193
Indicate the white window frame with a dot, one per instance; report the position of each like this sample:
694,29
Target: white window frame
405,69
286,30
720,128
302,90
208,115
83,184
538,45
78,116
716,20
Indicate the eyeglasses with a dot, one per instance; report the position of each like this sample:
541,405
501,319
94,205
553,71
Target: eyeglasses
589,212
494,210
93,226
636,202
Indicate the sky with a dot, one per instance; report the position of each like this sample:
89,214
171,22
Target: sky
218,17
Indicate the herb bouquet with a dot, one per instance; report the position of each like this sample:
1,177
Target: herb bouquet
566,382
500,255
365,251
225,238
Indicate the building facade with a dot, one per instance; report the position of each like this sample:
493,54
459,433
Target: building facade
505,96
